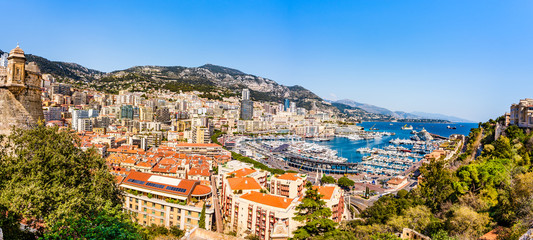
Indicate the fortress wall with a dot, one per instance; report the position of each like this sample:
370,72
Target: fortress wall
13,113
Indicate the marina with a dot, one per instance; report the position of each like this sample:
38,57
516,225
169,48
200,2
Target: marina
389,151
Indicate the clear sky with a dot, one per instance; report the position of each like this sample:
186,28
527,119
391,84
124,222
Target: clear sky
470,59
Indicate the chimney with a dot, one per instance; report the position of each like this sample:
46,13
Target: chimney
285,200
245,181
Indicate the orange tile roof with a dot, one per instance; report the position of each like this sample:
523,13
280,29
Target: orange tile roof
246,183
242,172
289,176
201,190
267,199
326,191
199,171
144,164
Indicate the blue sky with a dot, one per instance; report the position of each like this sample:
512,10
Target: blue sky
470,59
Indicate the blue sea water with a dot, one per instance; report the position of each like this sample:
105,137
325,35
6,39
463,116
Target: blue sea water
348,148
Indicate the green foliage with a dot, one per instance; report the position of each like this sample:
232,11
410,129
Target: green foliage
327,179
345,182
110,223
154,231
467,223
385,208
44,177
201,224
436,186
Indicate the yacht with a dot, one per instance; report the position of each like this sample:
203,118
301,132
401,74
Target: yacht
405,127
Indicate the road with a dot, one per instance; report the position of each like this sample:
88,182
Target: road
218,214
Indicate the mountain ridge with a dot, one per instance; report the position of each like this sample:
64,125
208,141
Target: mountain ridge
400,114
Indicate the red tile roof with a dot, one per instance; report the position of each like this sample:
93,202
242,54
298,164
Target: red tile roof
327,191
242,172
201,190
246,183
268,199
289,176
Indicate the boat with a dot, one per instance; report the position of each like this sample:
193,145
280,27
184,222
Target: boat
405,127
452,127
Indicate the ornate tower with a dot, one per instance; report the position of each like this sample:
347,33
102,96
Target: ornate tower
20,93
16,65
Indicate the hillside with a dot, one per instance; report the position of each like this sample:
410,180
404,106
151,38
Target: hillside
214,82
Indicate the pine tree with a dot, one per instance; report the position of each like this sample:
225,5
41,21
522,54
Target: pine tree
315,216
201,224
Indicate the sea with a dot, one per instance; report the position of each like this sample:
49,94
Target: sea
348,148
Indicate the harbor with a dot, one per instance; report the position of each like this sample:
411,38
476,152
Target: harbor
389,149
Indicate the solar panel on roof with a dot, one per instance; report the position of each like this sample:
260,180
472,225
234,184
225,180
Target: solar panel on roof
177,189
135,181
155,185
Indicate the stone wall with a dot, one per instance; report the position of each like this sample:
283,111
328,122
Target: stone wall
30,98
13,113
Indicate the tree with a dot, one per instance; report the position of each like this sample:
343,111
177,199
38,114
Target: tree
315,216
467,223
110,223
201,224
327,179
345,182
436,185
46,178
417,218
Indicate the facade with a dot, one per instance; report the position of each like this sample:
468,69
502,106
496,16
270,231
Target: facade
247,210
245,94
286,105
247,110
289,185
334,198
163,115
126,111
200,135
521,114
167,201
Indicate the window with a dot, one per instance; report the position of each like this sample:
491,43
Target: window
144,215
153,212
144,209
161,221
188,220
171,223
171,209
189,213
131,206
162,214
136,200
136,207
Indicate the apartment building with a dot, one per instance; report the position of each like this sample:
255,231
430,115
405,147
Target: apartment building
334,198
522,113
247,210
291,185
167,201
259,175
